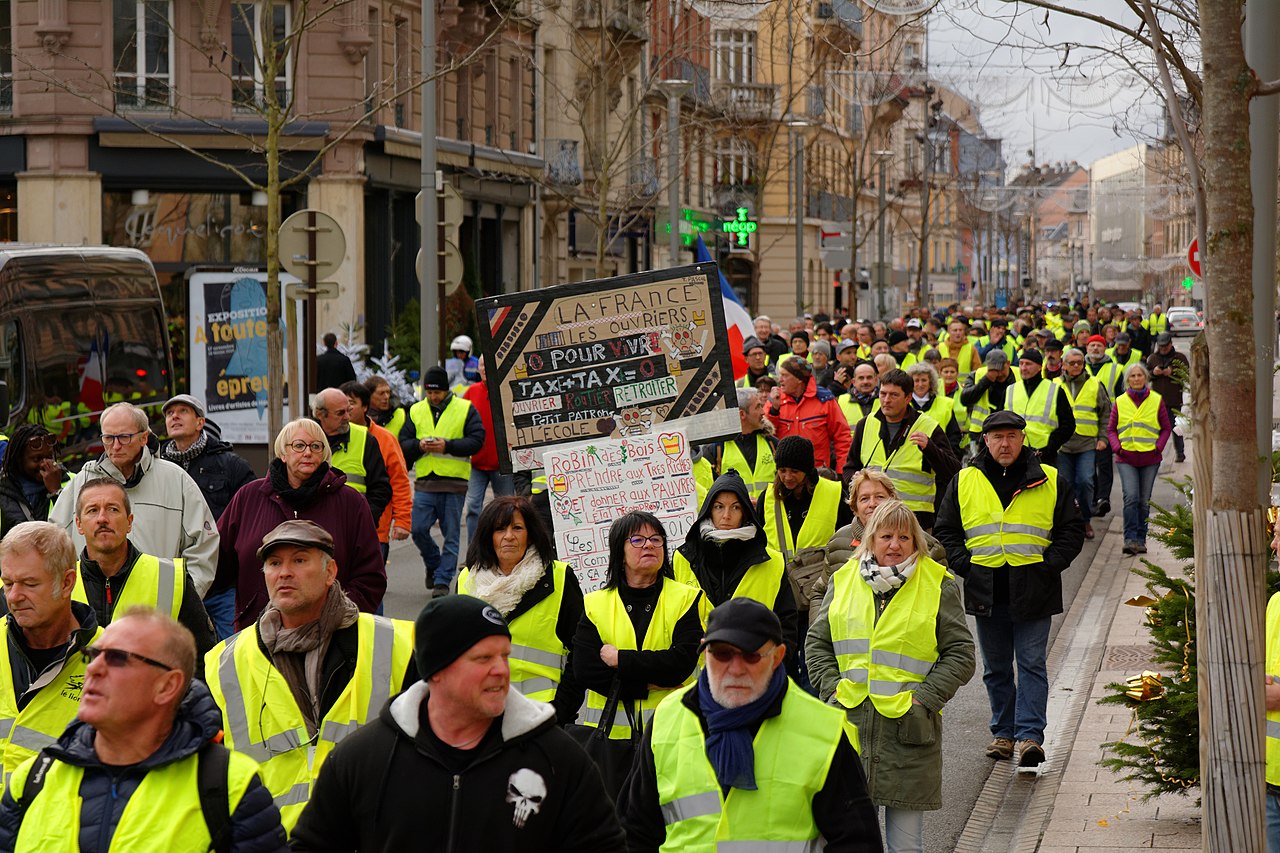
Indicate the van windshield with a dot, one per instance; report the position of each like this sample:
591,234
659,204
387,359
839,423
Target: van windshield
87,358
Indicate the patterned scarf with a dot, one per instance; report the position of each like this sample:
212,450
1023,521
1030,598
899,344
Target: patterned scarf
171,452
885,579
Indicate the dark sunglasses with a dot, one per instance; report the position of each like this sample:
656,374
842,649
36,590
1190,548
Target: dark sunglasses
117,658
726,654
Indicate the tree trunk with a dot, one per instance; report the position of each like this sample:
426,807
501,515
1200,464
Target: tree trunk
1230,594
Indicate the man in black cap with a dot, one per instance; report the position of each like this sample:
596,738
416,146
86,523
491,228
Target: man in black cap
1042,404
987,394
758,365
459,761
438,439
744,755
1011,526
1052,359
313,659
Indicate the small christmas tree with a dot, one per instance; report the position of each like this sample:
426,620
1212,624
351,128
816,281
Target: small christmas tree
387,366
1162,749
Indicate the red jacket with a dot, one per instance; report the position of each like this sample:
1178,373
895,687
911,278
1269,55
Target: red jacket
486,458
817,417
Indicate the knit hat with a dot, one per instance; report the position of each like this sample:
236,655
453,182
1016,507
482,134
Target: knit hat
450,625
1029,354
795,452
1053,344
800,334
436,379
1099,339
821,347
995,359
896,337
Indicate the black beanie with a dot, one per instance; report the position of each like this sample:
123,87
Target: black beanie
450,625
436,379
795,452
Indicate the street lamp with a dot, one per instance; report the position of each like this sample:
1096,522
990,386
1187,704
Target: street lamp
797,124
674,90
883,158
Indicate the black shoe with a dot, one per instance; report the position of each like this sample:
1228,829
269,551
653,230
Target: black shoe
1181,459
1129,549
1104,507
1139,548
439,590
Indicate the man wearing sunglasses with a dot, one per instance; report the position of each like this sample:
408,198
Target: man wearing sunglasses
744,755
145,731
40,639
172,517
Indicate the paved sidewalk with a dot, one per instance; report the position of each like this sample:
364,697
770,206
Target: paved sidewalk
1095,809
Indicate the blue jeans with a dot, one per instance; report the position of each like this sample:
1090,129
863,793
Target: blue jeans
1018,710
1136,483
1273,822
503,486
903,831
221,607
1078,470
446,508
1105,475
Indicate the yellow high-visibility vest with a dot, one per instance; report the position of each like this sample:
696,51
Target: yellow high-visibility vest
453,421
1138,427
350,459
153,582
994,534
819,524
1084,405
905,467
1040,410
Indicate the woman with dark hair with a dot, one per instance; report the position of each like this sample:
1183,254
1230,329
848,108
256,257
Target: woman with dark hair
30,477
641,630
510,565
799,509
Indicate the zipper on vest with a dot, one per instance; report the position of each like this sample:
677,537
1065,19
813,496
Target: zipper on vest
110,601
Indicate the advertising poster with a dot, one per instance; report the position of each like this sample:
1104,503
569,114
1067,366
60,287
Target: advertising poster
609,358
227,350
592,485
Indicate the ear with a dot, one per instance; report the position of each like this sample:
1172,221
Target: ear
169,688
69,580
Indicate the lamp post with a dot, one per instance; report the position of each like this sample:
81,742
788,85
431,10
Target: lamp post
797,125
883,158
674,90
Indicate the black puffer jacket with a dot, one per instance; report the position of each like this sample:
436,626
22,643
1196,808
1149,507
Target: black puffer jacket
1032,591
719,566
105,791
218,471
14,508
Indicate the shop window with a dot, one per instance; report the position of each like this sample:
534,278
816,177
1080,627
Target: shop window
142,42
189,227
248,54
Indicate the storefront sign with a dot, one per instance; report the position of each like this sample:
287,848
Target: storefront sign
591,486
691,224
741,226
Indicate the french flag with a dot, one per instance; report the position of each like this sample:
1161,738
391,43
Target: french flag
736,319
94,376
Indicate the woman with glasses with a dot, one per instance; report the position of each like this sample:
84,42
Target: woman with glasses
30,477
891,646
641,631
511,565
300,483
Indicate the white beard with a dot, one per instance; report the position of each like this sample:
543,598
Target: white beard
735,700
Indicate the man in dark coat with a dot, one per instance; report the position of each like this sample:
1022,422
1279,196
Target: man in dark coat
1163,363
333,367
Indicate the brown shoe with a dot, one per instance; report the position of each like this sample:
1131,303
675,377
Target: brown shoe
1030,754
1000,749
1088,531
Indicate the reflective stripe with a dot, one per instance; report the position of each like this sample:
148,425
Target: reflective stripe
982,530
1273,728
5,727
918,479
694,805
165,590
296,795
596,715
30,738
891,688
334,732
282,742
528,654
813,845
1014,548
355,479
1141,439
852,647
991,529
857,676
384,641
233,704
915,666
534,685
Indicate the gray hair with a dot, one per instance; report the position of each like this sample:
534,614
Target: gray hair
49,541
140,420
312,430
762,318
885,358
746,396
1073,351
1137,365
319,403
923,367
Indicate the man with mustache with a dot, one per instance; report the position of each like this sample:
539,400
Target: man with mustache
114,575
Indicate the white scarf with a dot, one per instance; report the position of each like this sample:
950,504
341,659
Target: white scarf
505,591
708,530
885,579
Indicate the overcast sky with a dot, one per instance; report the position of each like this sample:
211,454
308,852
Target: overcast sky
996,54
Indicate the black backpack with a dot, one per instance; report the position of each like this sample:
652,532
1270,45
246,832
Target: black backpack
211,775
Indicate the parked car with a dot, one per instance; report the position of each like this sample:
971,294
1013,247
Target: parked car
1184,321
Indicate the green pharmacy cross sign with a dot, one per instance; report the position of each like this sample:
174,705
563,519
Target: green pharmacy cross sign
689,231
741,226
1188,283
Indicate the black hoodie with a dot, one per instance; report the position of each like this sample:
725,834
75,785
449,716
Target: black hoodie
720,566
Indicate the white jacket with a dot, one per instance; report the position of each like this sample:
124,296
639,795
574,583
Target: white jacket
170,516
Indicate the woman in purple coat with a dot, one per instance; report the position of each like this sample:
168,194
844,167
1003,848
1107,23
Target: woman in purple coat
299,484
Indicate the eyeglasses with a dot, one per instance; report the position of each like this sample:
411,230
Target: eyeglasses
726,654
42,442
302,446
644,541
123,438
117,658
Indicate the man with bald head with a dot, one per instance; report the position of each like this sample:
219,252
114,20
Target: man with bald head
355,453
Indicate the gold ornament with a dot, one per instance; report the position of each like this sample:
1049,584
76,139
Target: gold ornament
1145,687
1141,601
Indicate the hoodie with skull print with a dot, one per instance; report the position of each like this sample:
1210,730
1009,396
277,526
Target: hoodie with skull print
394,786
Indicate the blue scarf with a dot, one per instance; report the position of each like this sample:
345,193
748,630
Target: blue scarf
729,737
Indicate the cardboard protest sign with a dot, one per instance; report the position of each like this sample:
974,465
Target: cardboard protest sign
591,486
605,359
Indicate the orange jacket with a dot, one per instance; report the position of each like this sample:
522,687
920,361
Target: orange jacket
817,417
400,509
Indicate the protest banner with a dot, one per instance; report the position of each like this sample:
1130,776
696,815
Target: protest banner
609,358
590,486
227,351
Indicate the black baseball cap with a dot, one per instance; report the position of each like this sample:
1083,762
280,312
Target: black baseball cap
744,623
1003,419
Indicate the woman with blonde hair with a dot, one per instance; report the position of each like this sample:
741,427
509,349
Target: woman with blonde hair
891,646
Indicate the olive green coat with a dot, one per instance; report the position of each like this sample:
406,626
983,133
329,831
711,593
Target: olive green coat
902,757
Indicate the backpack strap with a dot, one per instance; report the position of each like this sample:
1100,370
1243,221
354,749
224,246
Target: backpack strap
36,778
211,776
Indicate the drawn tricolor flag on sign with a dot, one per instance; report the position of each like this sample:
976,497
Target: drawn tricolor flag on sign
736,319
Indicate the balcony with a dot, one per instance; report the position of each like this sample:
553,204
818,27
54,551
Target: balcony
842,18
746,101
622,20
